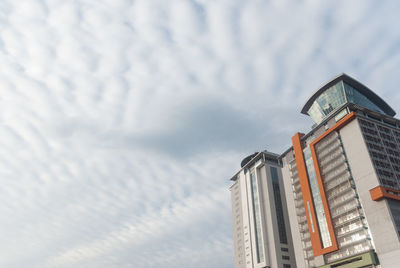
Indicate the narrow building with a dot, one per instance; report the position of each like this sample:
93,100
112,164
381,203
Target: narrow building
260,220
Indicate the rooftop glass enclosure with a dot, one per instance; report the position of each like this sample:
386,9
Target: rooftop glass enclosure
336,96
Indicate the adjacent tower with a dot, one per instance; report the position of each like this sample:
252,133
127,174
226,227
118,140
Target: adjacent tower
342,180
260,220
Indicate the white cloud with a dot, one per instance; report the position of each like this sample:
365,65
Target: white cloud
122,121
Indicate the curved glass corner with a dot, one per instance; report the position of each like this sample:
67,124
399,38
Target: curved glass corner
354,96
334,97
328,101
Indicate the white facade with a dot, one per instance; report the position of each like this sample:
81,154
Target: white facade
339,185
379,214
342,180
260,221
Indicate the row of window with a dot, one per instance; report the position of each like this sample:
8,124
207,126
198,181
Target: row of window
383,147
382,164
372,139
366,123
344,205
257,217
375,147
392,152
300,211
386,136
379,156
388,182
385,173
369,131
384,129
390,145
278,206
395,160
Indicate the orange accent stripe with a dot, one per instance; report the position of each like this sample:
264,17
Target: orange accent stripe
306,191
344,121
328,217
380,192
305,187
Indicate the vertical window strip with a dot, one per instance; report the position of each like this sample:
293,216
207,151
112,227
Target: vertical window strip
278,206
257,218
318,206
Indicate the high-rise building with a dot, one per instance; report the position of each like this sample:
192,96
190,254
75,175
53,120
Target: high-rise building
332,200
342,180
260,220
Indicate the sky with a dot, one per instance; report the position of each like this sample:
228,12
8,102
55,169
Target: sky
122,121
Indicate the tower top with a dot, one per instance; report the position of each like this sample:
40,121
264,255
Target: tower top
339,91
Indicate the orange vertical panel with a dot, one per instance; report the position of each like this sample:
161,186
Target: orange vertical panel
305,187
324,204
344,121
306,191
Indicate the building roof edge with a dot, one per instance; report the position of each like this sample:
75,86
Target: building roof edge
354,83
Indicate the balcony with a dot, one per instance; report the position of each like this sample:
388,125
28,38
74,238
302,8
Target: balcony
328,159
339,201
322,152
334,165
344,209
335,183
334,174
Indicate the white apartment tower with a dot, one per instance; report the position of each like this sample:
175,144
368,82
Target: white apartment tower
338,185
260,220
342,180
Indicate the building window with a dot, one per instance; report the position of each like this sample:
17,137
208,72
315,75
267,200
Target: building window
285,249
317,199
286,265
354,96
328,101
278,206
285,257
257,217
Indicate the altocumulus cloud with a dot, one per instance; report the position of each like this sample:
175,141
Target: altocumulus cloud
121,121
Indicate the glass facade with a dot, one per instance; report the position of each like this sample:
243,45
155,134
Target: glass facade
278,206
257,217
335,97
356,97
318,206
328,101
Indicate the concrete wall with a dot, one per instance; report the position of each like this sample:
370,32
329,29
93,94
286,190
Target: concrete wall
287,220
383,231
237,223
291,209
244,233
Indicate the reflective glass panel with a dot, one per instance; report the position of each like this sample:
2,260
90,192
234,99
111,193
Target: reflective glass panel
354,96
316,195
257,217
278,206
328,101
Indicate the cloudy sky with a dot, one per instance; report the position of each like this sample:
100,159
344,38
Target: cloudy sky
121,121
